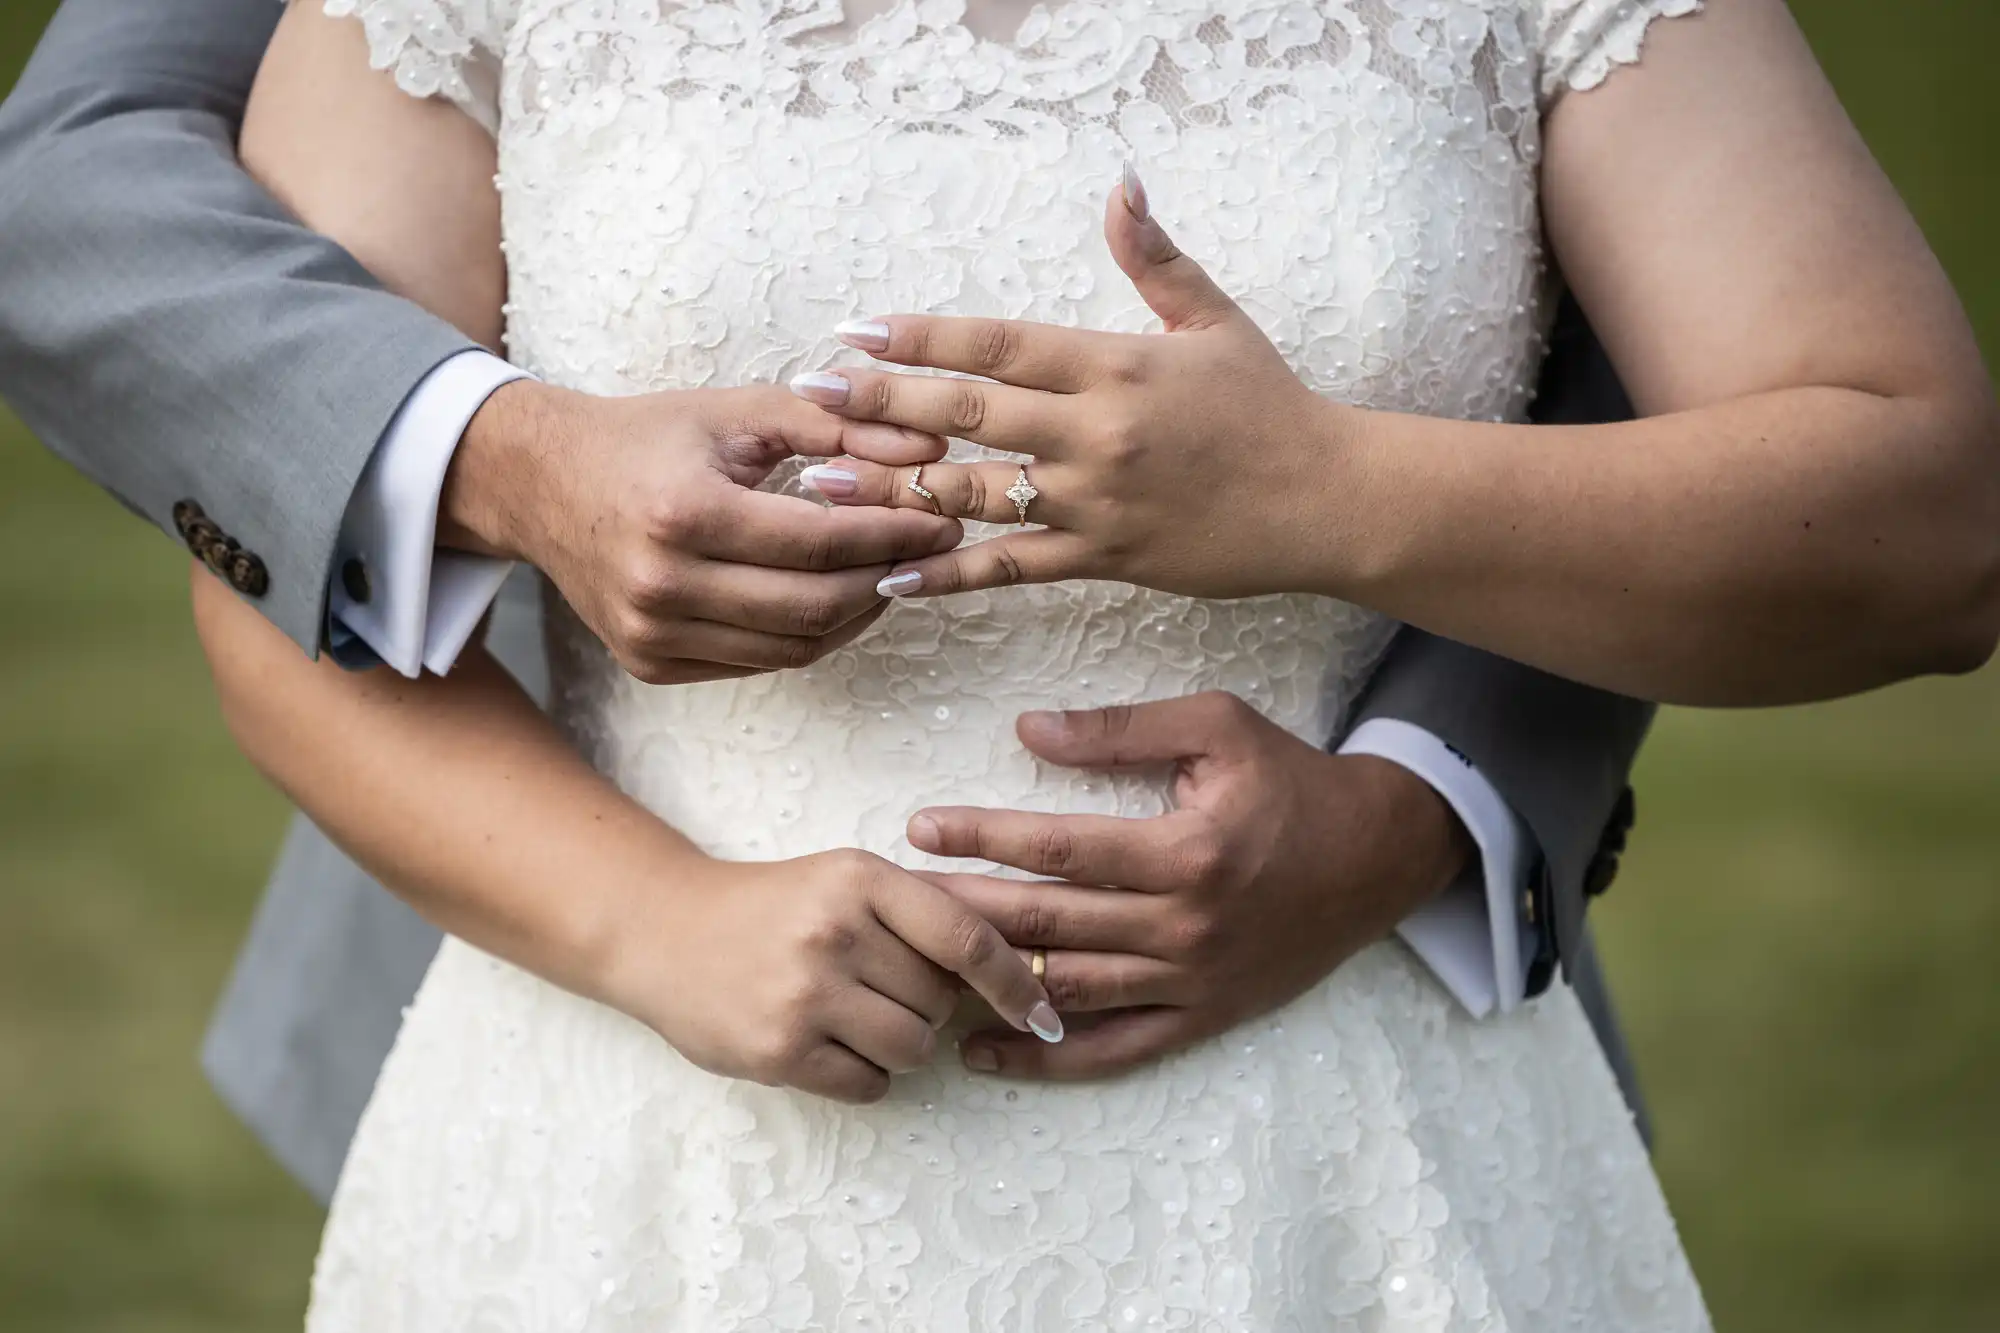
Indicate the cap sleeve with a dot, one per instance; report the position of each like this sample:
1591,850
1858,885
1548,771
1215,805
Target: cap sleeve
1580,42
438,48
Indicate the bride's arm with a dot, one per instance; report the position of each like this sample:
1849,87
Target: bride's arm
1811,509
823,972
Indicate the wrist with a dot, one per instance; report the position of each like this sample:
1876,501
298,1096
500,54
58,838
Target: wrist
1436,846
640,907
510,451
1339,535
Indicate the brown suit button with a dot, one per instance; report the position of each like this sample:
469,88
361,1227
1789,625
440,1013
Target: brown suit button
247,574
201,532
185,513
354,578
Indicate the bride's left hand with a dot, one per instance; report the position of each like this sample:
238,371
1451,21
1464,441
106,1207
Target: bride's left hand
1172,460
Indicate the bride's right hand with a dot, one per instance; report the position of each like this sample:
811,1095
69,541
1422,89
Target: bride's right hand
827,973
643,512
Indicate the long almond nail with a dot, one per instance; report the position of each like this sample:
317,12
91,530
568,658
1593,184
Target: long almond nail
900,585
1045,1023
822,387
1134,190
867,335
834,482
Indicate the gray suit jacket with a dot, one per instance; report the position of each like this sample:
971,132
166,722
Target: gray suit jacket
167,328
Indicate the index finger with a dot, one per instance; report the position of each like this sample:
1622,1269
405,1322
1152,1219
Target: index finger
790,532
965,944
1084,849
1011,351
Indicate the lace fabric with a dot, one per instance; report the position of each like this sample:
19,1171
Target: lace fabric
695,194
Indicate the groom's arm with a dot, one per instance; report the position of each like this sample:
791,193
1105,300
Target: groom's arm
1536,766
168,328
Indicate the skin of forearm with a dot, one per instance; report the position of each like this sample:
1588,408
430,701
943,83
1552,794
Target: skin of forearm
455,790
1778,548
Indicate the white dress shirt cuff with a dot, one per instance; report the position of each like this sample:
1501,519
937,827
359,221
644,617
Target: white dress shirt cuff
1471,935
412,604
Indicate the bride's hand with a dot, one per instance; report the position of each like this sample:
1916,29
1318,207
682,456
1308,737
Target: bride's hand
1173,461
827,973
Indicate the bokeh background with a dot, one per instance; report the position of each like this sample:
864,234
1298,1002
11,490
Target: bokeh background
1805,942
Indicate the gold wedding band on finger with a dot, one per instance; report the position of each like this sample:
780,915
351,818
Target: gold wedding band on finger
917,485
1038,962
1023,494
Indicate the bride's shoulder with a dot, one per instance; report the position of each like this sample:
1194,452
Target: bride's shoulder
438,48
1579,42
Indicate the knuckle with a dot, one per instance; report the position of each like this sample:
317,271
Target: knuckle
813,617
652,670
794,653
1052,850
1006,565
866,1088
1202,856
975,492
673,522
1223,707
822,550
1194,935
775,1058
972,941
1069,990
1127,365
995,345
1037,924
964,408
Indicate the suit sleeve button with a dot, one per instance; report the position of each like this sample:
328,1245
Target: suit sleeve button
247,574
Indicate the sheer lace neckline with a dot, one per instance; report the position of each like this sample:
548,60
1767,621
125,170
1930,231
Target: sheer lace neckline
1000,25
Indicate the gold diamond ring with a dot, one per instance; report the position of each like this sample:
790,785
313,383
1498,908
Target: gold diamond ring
917,485
1022,493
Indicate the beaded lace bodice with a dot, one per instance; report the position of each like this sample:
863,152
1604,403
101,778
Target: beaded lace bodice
696,194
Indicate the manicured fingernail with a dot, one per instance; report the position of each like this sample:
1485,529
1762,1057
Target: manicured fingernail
829,480
900,585
822,387
1045,1023
867,335
924,833
1135,194
980,1058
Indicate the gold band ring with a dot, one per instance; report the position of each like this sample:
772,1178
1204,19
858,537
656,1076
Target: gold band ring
917,485
1038,962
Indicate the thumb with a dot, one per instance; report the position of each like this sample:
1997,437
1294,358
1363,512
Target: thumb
1127,735
1178,289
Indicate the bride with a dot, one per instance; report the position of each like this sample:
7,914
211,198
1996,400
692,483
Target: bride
694,194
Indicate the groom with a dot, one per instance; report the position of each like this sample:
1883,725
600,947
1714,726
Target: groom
363,475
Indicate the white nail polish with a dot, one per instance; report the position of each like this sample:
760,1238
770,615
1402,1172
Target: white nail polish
1045,1023
1135,193
822,387
899,585
835,482
865,334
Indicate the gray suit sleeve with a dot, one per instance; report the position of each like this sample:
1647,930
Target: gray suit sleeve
1559,753
165,325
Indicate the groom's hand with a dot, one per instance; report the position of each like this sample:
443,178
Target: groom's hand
643,512
1279,862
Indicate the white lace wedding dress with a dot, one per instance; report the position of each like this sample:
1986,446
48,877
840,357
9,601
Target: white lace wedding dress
695,194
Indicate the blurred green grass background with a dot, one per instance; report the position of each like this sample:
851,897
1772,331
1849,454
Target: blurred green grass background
1804,941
